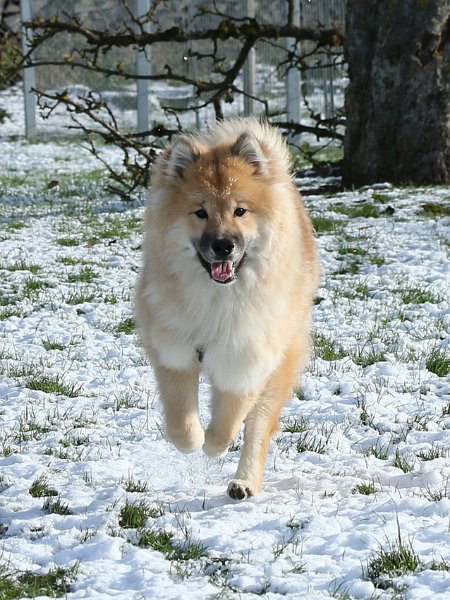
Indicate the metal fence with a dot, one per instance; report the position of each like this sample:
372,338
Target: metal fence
136,104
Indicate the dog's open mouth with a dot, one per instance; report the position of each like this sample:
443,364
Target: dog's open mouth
221,271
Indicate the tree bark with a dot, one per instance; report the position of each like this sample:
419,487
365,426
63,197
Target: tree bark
398,99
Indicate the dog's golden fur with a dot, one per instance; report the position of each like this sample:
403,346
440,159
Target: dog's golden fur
230,271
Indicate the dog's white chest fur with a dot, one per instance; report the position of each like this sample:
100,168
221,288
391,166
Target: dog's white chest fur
228,325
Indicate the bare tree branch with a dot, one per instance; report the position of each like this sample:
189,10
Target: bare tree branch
218,83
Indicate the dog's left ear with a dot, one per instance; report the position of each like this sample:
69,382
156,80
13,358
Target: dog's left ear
249,149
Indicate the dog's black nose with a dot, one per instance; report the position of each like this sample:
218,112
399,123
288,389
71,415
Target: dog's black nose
222,247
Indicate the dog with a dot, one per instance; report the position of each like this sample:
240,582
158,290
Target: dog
229,275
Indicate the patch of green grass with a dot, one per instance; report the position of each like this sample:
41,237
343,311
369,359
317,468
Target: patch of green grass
394,560
379,451
6,313
327,349
54,584
365,210
439,565
74,185
296,425
134,516
16,225
112,228
70,261
40,488
446,410
110,299
85,275
162,541
6,300
126,400
378,261
132,485
365,358
438,361
189,550
401,462
56,507
352,251
74,441
435,209
350,267
6,450
365,418
33,286
433,452
299,394
364,488
68,242
325,224
79,297
310,442
362,290
53,385
436,494
11,180
30,428
417,423
127,326
52,345
157,539
21,265
381,198
414,295
359,290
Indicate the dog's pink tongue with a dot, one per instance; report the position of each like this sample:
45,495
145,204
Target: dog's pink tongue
221,271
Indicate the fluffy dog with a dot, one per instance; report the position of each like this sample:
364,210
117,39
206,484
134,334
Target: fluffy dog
229,275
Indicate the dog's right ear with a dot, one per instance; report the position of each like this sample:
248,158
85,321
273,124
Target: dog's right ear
181,155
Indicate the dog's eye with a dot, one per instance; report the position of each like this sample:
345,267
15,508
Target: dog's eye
201,213
239,212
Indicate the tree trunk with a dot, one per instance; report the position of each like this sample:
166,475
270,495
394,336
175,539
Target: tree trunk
398,99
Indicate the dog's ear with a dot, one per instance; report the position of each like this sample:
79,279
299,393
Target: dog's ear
179,157
249,149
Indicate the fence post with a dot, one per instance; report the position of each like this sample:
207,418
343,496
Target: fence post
250,68
293,81
193,65
143,68
29,74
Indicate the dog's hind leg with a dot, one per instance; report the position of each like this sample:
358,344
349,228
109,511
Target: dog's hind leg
179,397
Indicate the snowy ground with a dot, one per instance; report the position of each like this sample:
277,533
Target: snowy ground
358,474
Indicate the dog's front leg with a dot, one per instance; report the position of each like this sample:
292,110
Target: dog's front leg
179,397
228,411
259,427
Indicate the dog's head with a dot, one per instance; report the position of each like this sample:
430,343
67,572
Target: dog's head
220,198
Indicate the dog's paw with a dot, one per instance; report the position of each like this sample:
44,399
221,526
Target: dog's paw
239,489
189,439
214,448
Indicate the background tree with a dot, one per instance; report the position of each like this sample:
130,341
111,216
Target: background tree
398,100
9,42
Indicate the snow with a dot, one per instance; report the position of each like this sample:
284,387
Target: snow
308,534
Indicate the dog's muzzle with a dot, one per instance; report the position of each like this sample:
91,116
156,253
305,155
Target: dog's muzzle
221,258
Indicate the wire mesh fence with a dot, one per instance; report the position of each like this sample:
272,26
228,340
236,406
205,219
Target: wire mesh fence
266,85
